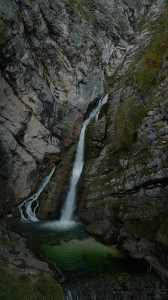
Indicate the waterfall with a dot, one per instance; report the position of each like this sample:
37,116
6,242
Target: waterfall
68,295
67,219
28,208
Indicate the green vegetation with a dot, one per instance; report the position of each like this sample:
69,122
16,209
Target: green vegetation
92,144
84,7
104,110
149,61
40,287
145,229
112,158
163,232
114,206
104,184
4,35
123,141
129,119
122,25
86,3
110,82
155,55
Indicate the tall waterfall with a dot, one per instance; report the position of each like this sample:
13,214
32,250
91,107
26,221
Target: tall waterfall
28,208
67,218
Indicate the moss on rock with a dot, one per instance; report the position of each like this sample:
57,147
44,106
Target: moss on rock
26,287
4,34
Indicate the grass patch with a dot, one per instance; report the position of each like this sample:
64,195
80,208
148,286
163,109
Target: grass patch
38,288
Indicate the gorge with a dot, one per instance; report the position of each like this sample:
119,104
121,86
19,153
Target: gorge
57,60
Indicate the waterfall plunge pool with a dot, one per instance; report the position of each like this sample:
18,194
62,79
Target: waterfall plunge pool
86,268
76,254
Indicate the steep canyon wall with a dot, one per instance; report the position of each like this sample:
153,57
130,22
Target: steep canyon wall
125,188
54,56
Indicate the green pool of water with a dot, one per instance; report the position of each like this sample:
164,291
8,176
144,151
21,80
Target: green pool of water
76,254
83,257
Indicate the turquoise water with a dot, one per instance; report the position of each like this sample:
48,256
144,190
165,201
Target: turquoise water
75,253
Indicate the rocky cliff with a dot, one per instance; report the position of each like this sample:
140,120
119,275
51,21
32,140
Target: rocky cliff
22,276
125,186
54,56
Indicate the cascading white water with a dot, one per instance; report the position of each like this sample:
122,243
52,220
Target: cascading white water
29,206
67,219
68,295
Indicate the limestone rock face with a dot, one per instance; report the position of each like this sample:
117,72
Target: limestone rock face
54,56
126,171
